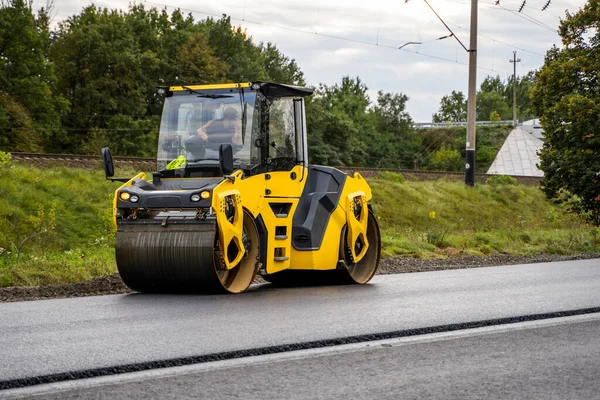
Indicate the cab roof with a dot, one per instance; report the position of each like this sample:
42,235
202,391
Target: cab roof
269,89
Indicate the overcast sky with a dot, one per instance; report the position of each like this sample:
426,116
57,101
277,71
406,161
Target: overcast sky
333,38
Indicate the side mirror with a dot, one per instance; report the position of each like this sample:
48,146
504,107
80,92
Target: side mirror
109,167
226,159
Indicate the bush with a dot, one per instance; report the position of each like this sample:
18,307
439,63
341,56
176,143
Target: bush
447,159
501,180
5,159
391,176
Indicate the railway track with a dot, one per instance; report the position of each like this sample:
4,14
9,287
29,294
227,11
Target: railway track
69,157
93,161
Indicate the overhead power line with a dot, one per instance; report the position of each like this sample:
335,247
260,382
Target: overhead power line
292,29
447,27
546,5
537,9
529,18
427,41
484,36
501,42
495,5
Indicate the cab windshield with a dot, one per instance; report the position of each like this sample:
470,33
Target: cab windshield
194,124
265,132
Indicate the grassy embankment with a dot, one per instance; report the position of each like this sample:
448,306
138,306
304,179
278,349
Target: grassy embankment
55,223
443,218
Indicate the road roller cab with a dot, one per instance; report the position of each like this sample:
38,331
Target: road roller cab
234,196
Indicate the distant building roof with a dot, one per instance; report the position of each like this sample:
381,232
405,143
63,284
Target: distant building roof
533,126
518,155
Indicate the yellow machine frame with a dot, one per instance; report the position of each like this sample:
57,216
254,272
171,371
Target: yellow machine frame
350,221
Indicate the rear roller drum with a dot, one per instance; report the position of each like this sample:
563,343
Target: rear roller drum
363,270
182,258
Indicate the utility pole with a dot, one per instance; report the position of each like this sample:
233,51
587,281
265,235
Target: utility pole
472,101
515,61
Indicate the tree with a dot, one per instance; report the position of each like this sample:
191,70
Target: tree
492,85
17,130
491,100
453,108
524,87
101,72
495,98
397,142
491,104
280,68
27,79
337,117
197,63
567,97
234,46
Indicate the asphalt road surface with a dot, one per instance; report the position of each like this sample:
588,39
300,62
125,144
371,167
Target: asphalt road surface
556,360
58,336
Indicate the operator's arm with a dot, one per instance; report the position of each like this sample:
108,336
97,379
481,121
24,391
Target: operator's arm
202,131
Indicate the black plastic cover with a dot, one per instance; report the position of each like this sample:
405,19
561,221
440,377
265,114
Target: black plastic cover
320,197
169,193
279,90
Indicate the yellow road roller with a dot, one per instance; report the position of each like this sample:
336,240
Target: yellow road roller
233,196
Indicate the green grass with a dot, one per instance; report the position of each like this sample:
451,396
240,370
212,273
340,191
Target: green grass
66,214
441,218
64,217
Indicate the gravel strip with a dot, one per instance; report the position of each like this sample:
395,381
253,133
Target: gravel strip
112,284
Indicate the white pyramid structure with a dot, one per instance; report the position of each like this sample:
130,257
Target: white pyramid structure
518,155
533,126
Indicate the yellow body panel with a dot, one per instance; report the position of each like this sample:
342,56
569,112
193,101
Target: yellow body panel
281,184
284,189
357,228
279,246
281,188
211,87
230,231
327,256
251,195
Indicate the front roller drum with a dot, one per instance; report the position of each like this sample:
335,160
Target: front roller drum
348,272
182,258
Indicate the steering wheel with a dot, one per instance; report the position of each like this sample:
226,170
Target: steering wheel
196,145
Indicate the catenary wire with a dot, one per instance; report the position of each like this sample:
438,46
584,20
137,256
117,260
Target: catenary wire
288,28
424,10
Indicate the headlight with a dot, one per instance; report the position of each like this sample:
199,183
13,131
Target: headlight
203,195
124,196
134,199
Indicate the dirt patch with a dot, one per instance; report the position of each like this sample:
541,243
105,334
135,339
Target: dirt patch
112,284
398,265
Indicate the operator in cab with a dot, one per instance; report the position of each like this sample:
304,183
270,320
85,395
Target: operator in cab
224,130
204,144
